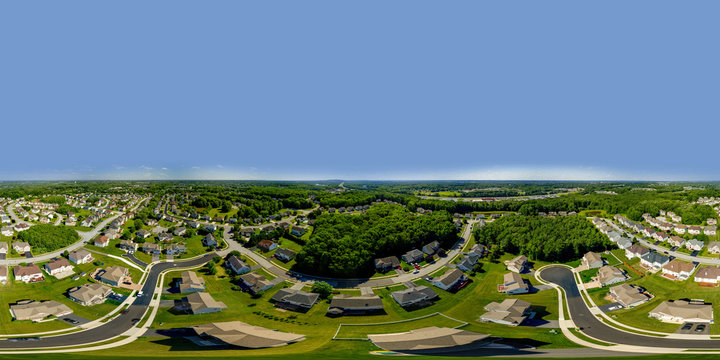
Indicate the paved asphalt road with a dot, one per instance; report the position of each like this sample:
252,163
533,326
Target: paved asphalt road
590,325
118,325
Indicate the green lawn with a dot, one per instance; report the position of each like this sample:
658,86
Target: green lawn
361,331
53,289
665,289
587,275
467,305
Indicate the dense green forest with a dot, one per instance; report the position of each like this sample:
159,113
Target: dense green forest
346,245
45,237
543,238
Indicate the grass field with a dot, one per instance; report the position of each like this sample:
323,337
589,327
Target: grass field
362,331
665,289
52,289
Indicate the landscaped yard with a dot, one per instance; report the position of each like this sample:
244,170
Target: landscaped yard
53,289
665,289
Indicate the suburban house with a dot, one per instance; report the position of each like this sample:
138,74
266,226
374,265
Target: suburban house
708,274
355,305
175,249
89,294
678,270
38,310
415,296
128,245
210,227
477,251
7,231
513,284
518,264
144,234
624,243
21,247
3,248
629,295
636,250
3,274
714,247
467,263
21,227
608,275
247,232
592,260
413,256
296,300
180,231
386,263
240,334
28,274
200,303
511,312
451,279
694,230
237,266
113,275
102,241
431,248
284,255
654,260
660,236
694,244
193,224
255,283
709,230
165,236
676,241
682,311
152,248
80,256
680,228
297,231
190,282
209,240
59,268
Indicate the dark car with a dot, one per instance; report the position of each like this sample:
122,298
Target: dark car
135,321
700,328
72,321
686,327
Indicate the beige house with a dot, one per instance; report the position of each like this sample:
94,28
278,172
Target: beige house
678,270
89,294
200,303
681,311
629,295
427,339
608,275
190,282
518,264
243,335
509,312
592,260
513,284
36,311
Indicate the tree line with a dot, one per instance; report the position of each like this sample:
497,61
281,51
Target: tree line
542,238
346,245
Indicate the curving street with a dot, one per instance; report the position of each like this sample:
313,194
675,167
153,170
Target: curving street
119,324
593,327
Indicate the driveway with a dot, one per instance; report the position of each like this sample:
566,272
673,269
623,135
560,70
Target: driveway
592,326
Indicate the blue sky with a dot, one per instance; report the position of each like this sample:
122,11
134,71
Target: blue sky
360,90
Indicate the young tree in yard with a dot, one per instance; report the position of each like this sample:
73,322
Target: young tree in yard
211,270
494,253
322,288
